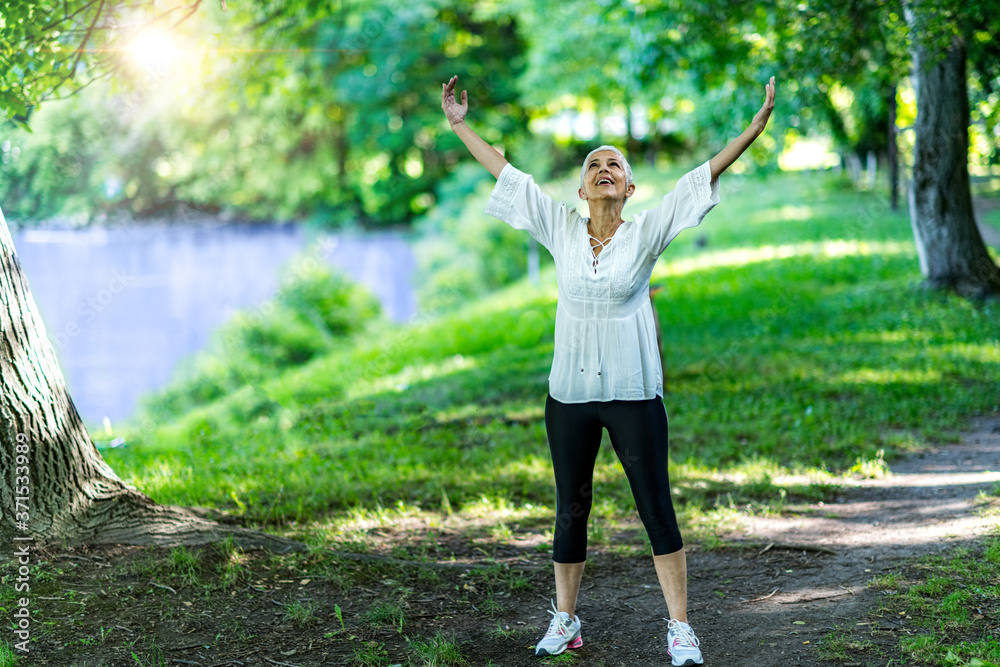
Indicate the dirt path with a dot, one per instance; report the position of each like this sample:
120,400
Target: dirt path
927,504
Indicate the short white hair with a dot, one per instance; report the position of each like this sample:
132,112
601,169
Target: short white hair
621,156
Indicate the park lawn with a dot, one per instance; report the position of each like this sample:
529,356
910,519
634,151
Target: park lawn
799,345
800,350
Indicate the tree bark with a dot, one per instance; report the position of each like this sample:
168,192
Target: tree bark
950,248
55,487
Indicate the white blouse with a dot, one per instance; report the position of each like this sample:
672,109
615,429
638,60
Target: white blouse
605,339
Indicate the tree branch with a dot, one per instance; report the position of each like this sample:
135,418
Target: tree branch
68,17
193,9
83,44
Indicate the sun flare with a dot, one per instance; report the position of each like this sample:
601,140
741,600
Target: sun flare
152,50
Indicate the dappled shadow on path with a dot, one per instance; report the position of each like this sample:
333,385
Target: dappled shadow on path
929,499
781,607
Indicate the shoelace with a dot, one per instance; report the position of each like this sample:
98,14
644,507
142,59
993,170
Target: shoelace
556,625
684,633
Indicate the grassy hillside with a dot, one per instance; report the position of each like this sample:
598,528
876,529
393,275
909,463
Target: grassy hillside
798,341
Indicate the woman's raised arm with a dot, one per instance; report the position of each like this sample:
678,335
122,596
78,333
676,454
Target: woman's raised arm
729,154
455,111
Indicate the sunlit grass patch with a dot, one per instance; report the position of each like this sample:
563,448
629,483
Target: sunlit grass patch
988,502
874,468
752,487
742,257
494,507
402,380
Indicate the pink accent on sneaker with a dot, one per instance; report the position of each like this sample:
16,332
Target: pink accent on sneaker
576,643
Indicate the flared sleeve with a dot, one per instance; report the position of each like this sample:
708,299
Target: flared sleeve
686,206
517,200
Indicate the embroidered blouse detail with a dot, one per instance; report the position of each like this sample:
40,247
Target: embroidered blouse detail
501,201
605,338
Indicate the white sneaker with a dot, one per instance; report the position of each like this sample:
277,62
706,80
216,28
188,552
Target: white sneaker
562,634
682,644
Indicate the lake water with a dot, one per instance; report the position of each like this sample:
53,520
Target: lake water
123,306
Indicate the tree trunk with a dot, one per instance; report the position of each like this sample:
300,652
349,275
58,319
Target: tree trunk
55,487
951,250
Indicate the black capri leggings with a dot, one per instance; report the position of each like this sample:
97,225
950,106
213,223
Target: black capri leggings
638,431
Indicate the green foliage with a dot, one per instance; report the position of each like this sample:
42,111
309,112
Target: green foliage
338,108
679,81
314,311
79,161
464,253
301,115
60,31
327,300
328,112
312,308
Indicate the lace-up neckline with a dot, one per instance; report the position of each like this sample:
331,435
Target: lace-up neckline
596,243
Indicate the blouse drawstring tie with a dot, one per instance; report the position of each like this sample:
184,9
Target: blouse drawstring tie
602,340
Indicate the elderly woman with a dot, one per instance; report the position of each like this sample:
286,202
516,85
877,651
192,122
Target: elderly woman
606,371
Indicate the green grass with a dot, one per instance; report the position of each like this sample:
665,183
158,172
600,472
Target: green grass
385,614
936,610
437,652
8,658
302,613
370,654
798,341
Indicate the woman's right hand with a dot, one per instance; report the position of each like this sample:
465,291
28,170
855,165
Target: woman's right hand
454,110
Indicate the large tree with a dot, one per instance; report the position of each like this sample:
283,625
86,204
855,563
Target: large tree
869,45
55,486
950,247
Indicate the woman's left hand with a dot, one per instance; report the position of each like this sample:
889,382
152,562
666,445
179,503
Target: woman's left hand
760,120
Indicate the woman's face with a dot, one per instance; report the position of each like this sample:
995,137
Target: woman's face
605,178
